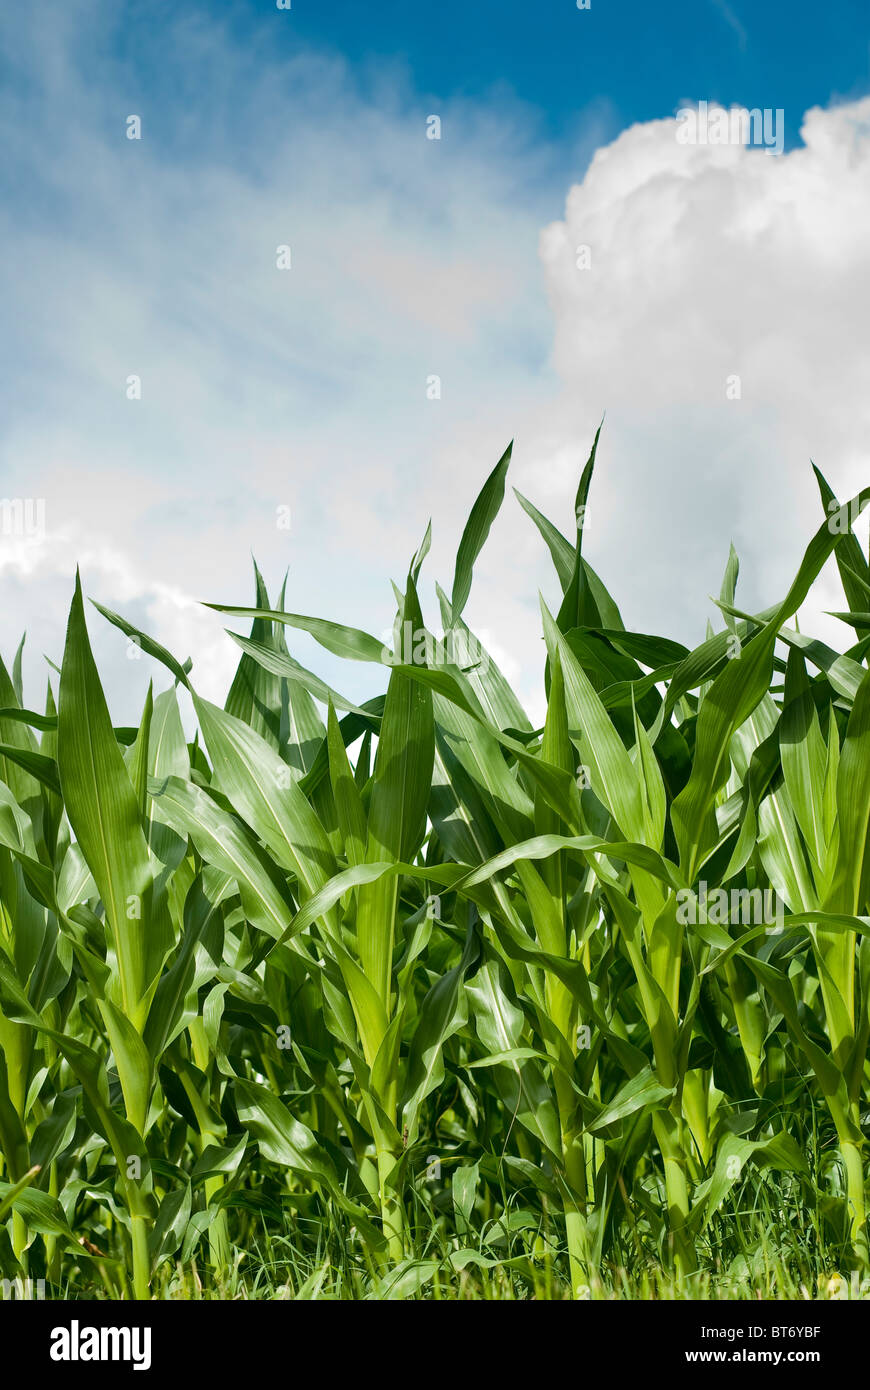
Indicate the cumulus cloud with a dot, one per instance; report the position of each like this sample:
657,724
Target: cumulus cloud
709,263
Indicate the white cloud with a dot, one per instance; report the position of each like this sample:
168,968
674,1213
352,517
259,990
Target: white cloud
709,261
410,257
260,387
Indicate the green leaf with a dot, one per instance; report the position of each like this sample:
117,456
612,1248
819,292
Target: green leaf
397,810
224,842
561,549
259,785
287,1141
147,644
853,567
442,1013
477,527
579,607
804,755
613,778
348,802
40,767
641,1092
343,641
281,664
105,817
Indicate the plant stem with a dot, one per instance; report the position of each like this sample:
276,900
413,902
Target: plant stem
19,1239
392,1214
141,1260
667,1131
218,1232
854,1166
575,1217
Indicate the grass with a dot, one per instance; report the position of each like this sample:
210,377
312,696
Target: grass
414,1000
764,1245
317,1261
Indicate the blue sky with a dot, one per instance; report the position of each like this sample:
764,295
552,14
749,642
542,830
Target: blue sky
636,60
411,258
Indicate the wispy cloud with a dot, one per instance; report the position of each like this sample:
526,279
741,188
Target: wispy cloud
261,388
732,20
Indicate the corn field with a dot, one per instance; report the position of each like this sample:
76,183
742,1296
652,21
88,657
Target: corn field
411,998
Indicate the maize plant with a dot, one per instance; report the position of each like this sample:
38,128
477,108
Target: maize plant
423,991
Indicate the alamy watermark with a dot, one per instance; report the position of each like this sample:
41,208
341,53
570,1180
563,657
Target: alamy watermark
77,1343
751,907
842,518
714,125
23,1290
23,517
413,646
